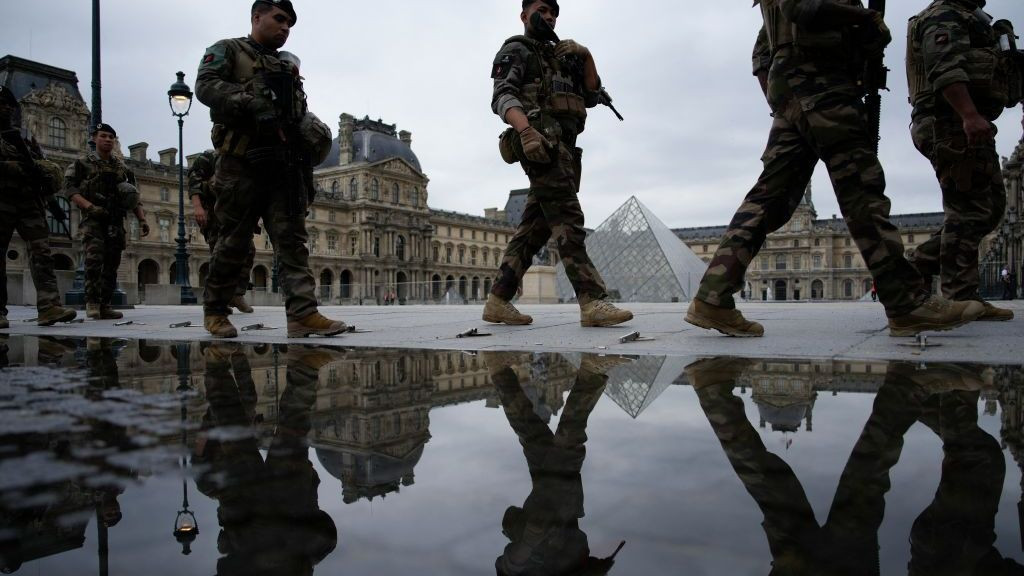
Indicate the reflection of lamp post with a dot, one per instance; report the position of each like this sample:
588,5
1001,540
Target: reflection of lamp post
186,527
180,99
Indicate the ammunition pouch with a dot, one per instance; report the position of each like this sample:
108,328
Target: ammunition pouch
507,146
51,178
266,161
316,136
567,104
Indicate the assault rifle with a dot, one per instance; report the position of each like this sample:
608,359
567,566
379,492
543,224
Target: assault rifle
30,151
546,32
876,77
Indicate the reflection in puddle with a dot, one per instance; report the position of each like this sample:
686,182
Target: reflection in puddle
259,460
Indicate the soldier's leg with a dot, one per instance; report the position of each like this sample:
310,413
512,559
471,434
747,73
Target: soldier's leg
114,248
33,229
926,256
8,220
839,135
246,270
564,216
288,235
974,201
238,209
94,248
531,235
788,165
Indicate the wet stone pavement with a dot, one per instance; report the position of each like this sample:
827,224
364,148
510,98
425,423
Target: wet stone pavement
152,458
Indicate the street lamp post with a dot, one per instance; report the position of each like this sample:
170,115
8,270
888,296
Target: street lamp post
180,99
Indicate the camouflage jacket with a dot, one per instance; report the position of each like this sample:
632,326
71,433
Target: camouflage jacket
527,75
761,60
14,167
951,42
97,179
200,177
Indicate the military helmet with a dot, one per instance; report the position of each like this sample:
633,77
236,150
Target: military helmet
52,177
317,137
127,196
285,5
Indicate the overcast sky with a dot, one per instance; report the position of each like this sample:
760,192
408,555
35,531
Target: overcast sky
695,127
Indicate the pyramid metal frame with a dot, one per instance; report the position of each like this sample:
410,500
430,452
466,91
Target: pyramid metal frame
639,258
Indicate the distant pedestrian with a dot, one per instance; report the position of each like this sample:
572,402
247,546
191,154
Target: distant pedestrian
1004,276
874,292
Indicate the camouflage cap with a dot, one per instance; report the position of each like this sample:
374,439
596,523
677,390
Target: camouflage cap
285,5
552,3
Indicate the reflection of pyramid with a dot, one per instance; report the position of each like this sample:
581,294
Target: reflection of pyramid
640,259
637,385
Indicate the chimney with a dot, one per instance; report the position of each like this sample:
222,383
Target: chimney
406,137
168,156
346,125
138,151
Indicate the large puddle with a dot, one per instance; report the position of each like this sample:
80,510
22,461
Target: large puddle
151,458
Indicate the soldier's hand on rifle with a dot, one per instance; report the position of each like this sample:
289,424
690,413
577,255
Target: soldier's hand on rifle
571,48
143,228
534,146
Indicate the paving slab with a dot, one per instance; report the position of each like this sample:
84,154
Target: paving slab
849,330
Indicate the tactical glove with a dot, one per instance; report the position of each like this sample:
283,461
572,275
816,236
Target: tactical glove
571,48
95,211
262,110
534,146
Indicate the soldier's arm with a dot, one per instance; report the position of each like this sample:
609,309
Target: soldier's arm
73,177
761,60
824,13
213,85
508,73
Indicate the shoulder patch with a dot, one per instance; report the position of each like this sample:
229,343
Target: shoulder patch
502,66
941,38
214,55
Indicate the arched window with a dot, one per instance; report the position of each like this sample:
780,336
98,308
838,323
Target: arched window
334,188
817,290
415,201
395,193
400,248
375,189
353,189
58,133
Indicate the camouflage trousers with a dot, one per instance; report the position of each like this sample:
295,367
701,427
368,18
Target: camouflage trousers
243,198
26,216
834,132
103,244
548,213
211,232
973,199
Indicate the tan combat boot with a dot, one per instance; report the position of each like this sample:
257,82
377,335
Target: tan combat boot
728,321
240,303
498,361
315,325
55,314
994,314
108,313
4,323
219,326
92,311
498,311
601,313
936,314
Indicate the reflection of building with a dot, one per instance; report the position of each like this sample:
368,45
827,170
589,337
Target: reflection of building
808,258
371,233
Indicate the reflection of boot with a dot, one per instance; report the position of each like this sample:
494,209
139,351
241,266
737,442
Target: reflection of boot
4,323
498,361
315,358
52,350
315,325
54,314
220,352
600,364
715,371
240,303
219,326
728,321
939,378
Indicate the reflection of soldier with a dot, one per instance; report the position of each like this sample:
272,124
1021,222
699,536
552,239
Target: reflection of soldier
542,90
26,181
270,518
266,139
819,116
200,191
944,398
959,84
104,190
545,536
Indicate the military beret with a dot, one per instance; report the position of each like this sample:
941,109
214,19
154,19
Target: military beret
285,5
7,97
552,3
101,127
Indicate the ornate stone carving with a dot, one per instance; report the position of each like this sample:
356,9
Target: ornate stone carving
56,97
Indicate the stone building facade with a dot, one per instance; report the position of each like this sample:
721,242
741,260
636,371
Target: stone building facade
372,235
810,258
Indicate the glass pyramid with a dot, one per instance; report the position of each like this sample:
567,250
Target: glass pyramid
640,259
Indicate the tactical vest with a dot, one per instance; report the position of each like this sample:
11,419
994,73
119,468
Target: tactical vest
100,186
550,85
988,69
782,32
256,71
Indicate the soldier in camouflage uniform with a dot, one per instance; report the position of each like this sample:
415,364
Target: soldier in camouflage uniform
544,534
26,180
819,115
103,189
543,91
258,108
200,191
943,397
960,82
